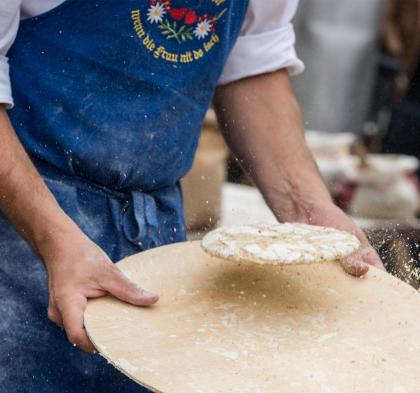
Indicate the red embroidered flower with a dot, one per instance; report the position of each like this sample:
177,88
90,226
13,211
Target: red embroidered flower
178,13
182,23
191,18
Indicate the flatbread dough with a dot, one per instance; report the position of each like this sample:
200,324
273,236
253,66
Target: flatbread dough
280,243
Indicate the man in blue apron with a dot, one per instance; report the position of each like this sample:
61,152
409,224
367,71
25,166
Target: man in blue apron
109,97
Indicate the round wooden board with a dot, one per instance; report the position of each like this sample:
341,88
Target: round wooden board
245,328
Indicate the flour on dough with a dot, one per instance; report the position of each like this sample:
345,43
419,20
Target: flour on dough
280,243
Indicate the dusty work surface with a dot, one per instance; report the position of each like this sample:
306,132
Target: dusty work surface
223,327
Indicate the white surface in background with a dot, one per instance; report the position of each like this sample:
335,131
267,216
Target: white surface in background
243,205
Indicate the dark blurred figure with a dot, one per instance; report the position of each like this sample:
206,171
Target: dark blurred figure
402,41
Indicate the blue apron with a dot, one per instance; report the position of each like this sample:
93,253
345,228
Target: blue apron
109,98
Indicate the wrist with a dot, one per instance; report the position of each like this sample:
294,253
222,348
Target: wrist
302,210
300,204
51,233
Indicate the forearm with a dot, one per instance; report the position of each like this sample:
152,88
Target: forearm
262,124
77,269
24,197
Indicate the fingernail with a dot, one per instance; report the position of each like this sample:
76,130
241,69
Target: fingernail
359,269
148,295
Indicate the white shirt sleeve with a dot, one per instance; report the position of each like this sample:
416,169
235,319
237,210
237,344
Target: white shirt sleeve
266,42
9,24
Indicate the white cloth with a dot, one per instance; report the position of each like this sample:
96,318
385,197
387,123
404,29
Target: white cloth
266,42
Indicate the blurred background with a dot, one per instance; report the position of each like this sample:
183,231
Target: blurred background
360,99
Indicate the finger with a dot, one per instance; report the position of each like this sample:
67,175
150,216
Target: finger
368,253
72,311
116,283
371,257
55,317
354,265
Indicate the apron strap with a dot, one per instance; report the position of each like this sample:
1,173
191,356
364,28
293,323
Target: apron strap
140,220
147,219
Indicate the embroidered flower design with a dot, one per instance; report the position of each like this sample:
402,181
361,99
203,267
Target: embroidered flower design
182,24
203,29
156,13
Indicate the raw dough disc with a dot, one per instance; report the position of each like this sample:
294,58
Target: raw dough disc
221,327
280,243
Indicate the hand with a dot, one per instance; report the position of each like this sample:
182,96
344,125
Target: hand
330,215
279,161
79,270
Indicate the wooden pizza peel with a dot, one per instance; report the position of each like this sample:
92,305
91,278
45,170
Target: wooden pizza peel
243,328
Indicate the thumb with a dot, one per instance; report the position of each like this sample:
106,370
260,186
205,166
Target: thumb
358,263
354,265
371,257
367,253
118,285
